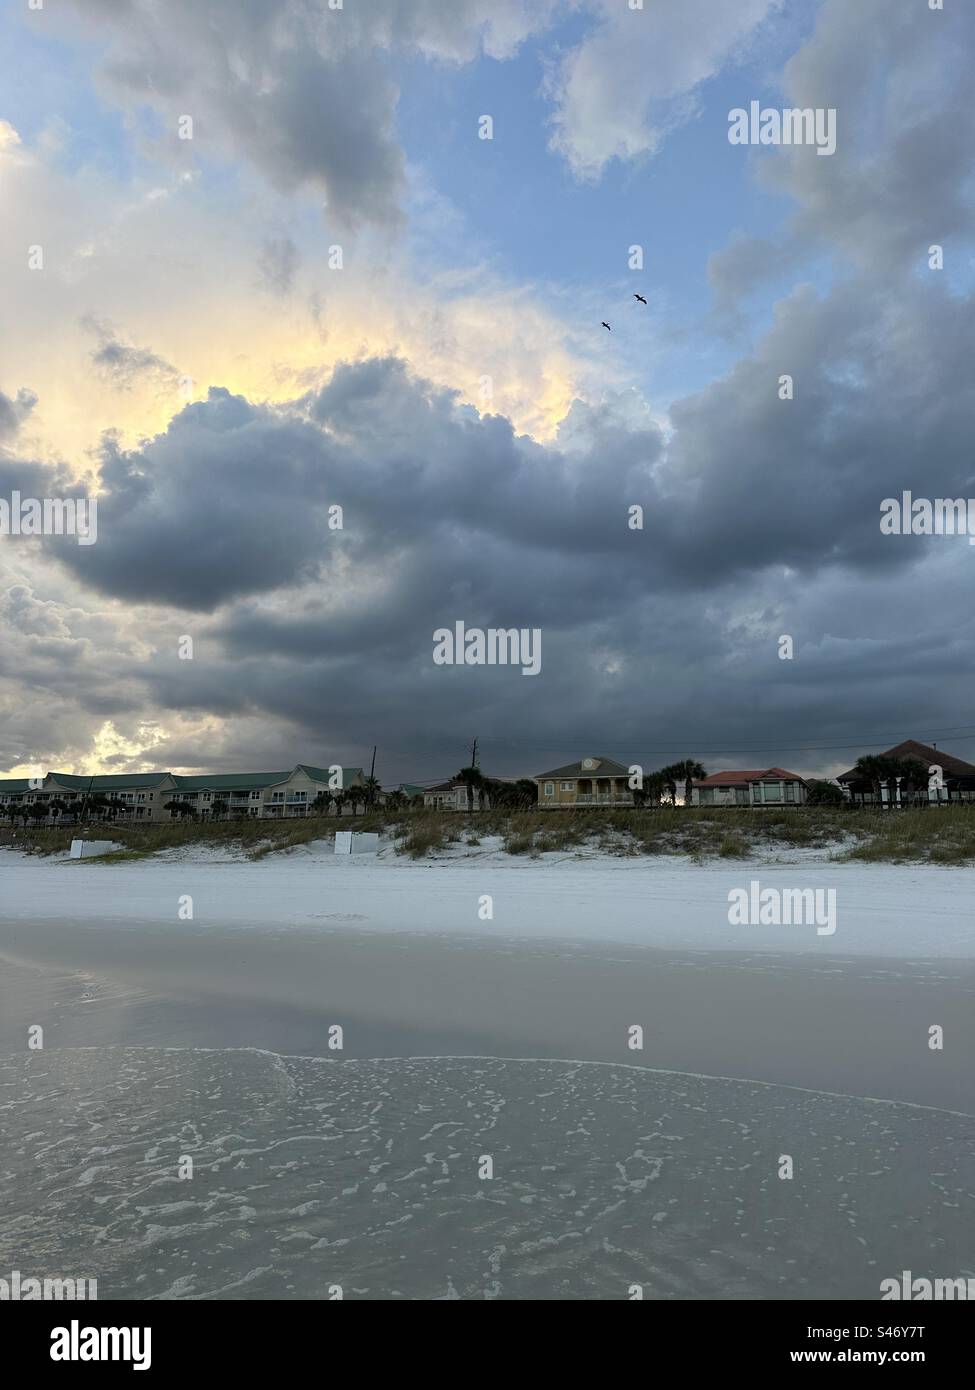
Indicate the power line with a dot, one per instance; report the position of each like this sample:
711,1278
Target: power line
689,743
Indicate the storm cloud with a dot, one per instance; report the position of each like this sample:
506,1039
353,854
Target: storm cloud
760,506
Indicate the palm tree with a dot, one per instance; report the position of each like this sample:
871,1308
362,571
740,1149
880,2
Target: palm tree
319,807
500,794
350,797
471,777
371,791
395,800
219,810
56,807
687,771
527,793
876,770
653,788
819,793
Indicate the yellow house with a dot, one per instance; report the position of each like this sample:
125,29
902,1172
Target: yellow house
591,782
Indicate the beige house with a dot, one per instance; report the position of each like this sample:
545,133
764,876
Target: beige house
591,782
772,786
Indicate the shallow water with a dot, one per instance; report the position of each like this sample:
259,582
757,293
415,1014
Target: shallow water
318,1172
312,1173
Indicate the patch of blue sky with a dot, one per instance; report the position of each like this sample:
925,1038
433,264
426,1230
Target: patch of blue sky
515,204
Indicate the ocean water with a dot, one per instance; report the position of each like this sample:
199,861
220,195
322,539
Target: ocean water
435,1178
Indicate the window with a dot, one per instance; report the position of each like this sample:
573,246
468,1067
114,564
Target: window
255,795
772,791
568,786
549,788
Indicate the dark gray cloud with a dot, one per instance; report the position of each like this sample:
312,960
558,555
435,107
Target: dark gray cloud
122,362
14,410
460,504
304,92
899,77
282,86
761,515
761,518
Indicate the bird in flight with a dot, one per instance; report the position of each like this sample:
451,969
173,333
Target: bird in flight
640,298
606,325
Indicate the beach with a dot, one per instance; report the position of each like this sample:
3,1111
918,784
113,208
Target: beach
359,1166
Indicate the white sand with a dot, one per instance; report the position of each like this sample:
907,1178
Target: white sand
882,910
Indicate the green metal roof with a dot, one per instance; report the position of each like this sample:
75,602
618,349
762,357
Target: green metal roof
322,774
207,781
606,768
229,781
112,781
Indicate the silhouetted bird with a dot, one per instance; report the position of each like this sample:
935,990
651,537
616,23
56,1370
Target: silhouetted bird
606,325
640,298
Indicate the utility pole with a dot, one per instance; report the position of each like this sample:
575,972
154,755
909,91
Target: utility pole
84,804
474,754
372,770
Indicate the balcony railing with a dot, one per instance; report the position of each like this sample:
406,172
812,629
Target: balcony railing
603,799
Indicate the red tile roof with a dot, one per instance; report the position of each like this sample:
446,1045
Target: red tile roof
741,779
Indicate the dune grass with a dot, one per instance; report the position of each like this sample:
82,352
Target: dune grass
943,835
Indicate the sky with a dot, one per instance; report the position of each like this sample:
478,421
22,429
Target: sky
258,263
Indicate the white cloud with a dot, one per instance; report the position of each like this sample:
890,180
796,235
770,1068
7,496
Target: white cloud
637,74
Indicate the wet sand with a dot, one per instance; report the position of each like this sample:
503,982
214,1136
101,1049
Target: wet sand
856,1026
363,1169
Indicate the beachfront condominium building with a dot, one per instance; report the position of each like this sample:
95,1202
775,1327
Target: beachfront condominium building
157,796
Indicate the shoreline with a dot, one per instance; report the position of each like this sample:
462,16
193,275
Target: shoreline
854,1026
